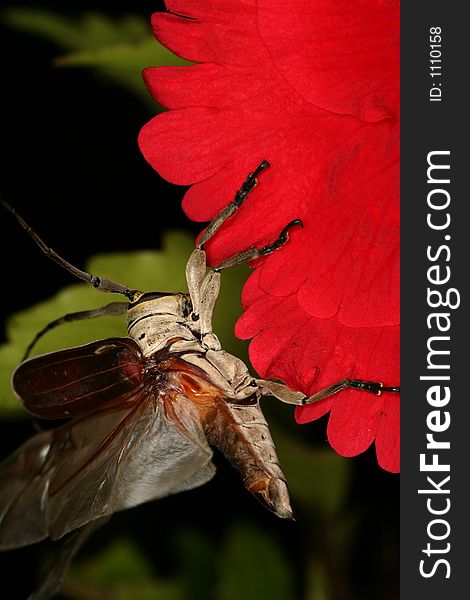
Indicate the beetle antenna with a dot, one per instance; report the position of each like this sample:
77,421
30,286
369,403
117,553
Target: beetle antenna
100,283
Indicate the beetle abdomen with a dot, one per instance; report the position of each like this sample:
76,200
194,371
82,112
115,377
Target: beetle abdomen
240,431
242,434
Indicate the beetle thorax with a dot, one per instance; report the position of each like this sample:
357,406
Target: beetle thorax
156,318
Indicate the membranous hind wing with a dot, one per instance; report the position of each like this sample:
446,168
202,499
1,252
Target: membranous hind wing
124,451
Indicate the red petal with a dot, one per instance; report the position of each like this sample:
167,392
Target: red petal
353,422
277,86
217,32
316,411
387,442
185,38
342,57
200,85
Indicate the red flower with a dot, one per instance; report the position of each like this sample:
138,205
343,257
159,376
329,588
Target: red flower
312,87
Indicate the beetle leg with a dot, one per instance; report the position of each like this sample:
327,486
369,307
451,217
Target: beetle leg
113,309
253,253
209,293
285,394
280,391
250,183
195,275
245,401
374,387
204,291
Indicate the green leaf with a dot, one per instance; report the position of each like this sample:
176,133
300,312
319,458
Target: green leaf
145,270
119,48
90,30
254,566
123,63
